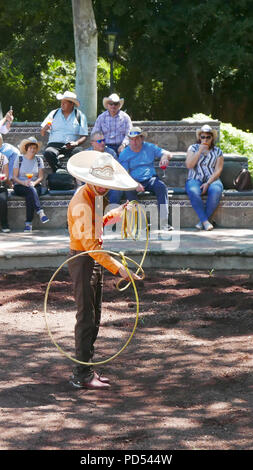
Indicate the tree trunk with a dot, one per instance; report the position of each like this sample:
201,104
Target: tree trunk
85,35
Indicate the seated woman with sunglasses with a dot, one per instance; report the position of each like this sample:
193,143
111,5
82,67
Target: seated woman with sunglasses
205,163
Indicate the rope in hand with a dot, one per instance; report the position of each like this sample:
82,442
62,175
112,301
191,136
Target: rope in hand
128,229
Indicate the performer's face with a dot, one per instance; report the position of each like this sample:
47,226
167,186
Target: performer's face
101,191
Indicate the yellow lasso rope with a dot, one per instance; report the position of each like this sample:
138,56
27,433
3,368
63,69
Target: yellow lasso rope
127,231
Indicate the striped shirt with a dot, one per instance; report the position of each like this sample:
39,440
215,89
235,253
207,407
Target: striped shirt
206,163
114,128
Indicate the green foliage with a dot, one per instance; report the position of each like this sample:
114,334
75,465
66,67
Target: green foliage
174,57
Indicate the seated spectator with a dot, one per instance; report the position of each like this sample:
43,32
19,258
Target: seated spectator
10,152
113,123
27,176
67,127
6,121
97,141
138,159
4,175
205,163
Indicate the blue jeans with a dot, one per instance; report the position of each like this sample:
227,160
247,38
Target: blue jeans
31,195
214,193
155,186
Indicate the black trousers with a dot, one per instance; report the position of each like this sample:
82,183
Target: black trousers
3,207
87,279
53,150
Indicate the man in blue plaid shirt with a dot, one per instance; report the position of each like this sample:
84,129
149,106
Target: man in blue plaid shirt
113,123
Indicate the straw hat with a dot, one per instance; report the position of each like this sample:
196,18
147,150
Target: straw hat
29,140
135,132
209,129
115,99
100,169
68,95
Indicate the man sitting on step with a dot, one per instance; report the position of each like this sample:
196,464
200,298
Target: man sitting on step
67,127
138,159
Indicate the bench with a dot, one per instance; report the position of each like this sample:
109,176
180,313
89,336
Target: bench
235,208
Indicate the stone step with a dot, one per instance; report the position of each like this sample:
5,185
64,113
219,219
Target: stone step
222,249
234,210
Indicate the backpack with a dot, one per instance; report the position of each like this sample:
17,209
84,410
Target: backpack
21,159
243,181
77,114
60,181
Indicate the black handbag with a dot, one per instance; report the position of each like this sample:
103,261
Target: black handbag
61,181
243,181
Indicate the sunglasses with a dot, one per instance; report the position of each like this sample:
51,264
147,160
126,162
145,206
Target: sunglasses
207,137
113,104
134,134
99,141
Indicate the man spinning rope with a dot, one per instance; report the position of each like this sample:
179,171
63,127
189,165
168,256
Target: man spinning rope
100,172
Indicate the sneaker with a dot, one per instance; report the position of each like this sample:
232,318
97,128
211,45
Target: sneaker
43,217
207,225
28,228
199,226
167,228
5,230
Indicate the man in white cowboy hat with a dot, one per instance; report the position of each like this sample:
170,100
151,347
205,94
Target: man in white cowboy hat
67,127
204,161
138,159
114,123
100,171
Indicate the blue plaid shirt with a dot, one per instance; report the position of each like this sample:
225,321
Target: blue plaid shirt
115,129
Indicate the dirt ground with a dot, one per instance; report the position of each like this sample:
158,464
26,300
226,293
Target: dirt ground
184,382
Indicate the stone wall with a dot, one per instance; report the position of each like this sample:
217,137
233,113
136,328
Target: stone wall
175,136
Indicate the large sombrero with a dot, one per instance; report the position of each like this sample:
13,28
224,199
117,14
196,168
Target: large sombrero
100,169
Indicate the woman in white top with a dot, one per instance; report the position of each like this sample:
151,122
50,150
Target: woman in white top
4,176
28,172
204,161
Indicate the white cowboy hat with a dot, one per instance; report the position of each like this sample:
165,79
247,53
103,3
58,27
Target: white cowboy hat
68,95
209,129
135,132
100,169
115,99
29,140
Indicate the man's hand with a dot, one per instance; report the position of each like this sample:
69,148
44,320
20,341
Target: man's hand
71,145
140,188
164,162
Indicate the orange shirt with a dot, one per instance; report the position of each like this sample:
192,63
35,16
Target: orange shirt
86,222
